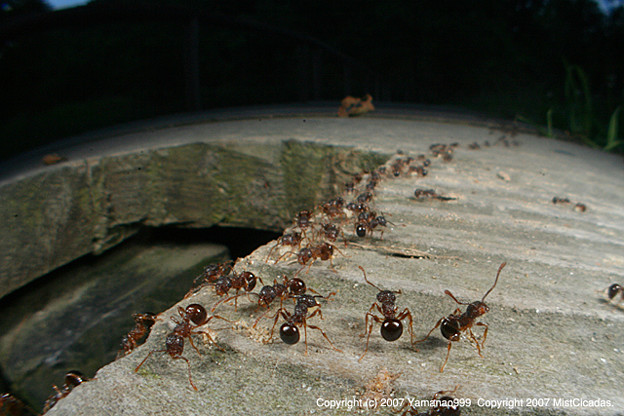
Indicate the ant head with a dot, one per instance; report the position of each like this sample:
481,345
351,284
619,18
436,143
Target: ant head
476,309
196,313
386,296
308,300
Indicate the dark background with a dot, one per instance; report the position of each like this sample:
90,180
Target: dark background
556,63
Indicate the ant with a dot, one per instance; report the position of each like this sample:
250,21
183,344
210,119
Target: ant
304,220
210,274
290,288
290,239
367,222
559,200
421,193
442,406
331,231
613,290
144,321
244,280
391,326
310,254
72,379
580,207
333,208
192,317
443,150
289,331
453,325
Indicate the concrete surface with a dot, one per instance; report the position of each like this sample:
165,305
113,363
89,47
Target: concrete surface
552,336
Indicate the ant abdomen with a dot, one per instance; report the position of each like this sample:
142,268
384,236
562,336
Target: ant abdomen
450,329
196,313
613,290
289,334
391,329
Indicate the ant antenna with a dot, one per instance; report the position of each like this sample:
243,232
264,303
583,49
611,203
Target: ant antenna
495,281
368,281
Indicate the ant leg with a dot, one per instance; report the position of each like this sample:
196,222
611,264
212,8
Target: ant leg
370,329
447,356
305,335
261,316
369,313
188,364
432,329
484,332
407,314
210,339
473,338
145,359
284,314
325,335
280,257
224,300
273,248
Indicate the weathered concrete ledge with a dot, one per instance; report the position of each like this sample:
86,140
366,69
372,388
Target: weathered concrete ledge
551,333
213,177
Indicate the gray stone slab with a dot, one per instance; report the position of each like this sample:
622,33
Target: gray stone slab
551,333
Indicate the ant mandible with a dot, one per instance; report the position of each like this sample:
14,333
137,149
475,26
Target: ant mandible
453,325
391,326
174,343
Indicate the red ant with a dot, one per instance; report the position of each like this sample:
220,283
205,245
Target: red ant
289,331
324,251
333,208
210,274
72,379
290,239
304,220
289,288
458,322
442,406
421,194
244,280
174,343
368,222
144,321
390,320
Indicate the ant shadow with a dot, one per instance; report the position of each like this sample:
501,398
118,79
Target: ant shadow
614,305
431,344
